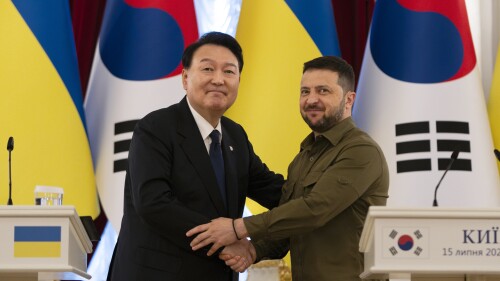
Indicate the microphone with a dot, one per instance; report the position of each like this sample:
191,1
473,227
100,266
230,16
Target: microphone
497,154
10,147
454,156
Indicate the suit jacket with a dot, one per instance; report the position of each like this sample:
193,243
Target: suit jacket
170,187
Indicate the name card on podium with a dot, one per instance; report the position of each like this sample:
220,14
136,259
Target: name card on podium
407,242
42,243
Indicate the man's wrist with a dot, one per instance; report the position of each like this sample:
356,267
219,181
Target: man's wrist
240,228
235,232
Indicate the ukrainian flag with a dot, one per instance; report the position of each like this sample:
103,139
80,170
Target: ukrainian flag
494,105
37,241
41,105
277,37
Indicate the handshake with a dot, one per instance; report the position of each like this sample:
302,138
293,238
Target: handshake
238,253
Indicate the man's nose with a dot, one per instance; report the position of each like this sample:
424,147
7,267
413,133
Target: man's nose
218,78
312,98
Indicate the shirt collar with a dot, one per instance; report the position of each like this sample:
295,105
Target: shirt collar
333,135
203,125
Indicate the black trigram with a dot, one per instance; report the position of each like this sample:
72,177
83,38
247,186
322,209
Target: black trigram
424,145
120,165
393,251
418,251
418,234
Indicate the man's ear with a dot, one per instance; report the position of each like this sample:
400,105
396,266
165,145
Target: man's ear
184,78
349,100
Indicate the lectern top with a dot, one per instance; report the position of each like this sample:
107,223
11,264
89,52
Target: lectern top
50,211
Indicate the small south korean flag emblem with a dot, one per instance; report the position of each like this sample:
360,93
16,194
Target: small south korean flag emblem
405,243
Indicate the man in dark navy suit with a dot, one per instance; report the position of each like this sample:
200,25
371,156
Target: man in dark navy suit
172,185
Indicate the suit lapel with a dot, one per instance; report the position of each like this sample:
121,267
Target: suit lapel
193,146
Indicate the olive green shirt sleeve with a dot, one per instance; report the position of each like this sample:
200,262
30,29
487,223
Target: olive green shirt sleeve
271,249
335,182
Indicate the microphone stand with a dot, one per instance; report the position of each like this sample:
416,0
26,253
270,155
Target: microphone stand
453,157
435,203
9,202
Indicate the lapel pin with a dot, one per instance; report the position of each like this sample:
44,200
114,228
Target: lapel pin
231,148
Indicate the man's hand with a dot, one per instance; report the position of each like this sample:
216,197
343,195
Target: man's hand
219,232
239,255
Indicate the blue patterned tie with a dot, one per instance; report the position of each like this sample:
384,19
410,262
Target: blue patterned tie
218,162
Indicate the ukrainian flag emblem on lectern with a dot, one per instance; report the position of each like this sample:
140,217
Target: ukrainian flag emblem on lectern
37,241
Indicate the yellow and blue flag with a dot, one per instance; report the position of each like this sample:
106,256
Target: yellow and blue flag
41,105
494,105
277,37
37,241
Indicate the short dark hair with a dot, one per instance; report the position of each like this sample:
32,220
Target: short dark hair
335,64
215,38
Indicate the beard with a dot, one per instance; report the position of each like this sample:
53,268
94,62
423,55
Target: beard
328,121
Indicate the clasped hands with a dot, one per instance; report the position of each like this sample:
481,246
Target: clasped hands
238,253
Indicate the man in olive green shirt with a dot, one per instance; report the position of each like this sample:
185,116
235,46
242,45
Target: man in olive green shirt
338,174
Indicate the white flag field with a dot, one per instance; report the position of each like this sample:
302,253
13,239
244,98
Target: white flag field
420,97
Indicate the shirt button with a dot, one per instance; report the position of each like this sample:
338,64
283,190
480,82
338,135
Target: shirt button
311,159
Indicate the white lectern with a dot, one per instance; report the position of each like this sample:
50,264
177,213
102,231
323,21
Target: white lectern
431,244
42,243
